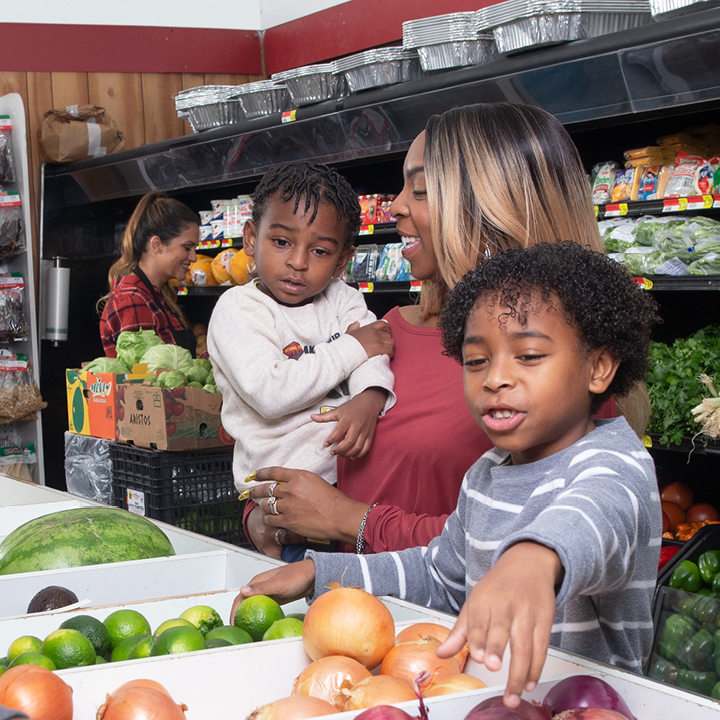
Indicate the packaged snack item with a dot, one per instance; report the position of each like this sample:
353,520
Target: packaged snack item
20,398
7,165
603,175
648,183
705,177
368,204
12,237
13,325
665,172
651,160
653,151
365,263
681,180
626,185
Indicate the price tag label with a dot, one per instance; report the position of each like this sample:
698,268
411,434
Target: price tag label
135,501
616,210
367,230
182,291
644,283
647,441
415,286
597,211
289,116
682,204
716,201
229,242
366,287
671,205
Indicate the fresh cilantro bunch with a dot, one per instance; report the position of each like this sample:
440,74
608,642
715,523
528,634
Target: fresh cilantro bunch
673,382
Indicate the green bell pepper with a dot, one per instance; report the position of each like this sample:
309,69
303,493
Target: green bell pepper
697,653
716,584
716,643
706,610
715,694
709,565
686,577
676,632
663,670
697,681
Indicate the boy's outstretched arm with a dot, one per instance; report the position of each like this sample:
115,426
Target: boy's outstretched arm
356,421
514,602
283,584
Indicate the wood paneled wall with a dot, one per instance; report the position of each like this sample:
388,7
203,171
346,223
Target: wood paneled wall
140,103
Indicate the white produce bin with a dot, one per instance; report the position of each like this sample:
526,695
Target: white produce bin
158,610
228,683
20,492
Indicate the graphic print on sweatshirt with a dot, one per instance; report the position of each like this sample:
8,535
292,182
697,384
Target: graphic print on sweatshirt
295,351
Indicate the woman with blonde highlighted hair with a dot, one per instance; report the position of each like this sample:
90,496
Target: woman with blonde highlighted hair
479,179
157,247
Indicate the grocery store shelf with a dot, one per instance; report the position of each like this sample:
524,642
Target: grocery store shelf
385,228
364,287
658,207
683,283
702,445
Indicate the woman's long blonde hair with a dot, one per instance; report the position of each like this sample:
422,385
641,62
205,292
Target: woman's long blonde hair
156,214
500,175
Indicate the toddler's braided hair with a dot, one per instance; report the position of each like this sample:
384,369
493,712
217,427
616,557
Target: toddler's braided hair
315,183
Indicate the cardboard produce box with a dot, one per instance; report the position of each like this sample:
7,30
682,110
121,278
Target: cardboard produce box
91,401
185,418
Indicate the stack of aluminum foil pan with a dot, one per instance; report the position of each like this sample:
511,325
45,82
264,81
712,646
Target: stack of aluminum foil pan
663,9
209,106
447,41
263,98
524,24
376,68
308,84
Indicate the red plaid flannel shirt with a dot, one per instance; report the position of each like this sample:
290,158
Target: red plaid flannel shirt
131,307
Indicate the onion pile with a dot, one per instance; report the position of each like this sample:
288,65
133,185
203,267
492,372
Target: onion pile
409,659
377,690
37,692
420,631
297,707
348,621
140,700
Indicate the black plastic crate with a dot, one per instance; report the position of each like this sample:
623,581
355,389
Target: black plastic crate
193,490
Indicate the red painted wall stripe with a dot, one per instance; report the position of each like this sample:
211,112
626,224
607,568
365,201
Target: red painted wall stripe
31,47
349,28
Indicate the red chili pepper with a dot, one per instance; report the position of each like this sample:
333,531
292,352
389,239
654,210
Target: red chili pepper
666,554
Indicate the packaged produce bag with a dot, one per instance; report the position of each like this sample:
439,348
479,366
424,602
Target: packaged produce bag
78,133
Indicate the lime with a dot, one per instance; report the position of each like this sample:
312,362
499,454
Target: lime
179,639
68,648
203,617
24,644
3,662
99,660
256,614
285,628
142,649
125,623
173,622
234,635
92,629
34,658
217,642
2,669
125,647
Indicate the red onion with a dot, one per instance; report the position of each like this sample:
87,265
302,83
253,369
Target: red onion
585,691
495,713
589,713
384,712
525,709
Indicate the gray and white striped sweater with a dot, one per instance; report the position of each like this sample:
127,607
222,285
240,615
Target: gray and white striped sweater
595,503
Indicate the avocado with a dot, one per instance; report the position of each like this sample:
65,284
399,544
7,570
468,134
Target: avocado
52,597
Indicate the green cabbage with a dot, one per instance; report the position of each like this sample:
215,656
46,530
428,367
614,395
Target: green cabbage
197,373
131,346
168,357
107,365
171,379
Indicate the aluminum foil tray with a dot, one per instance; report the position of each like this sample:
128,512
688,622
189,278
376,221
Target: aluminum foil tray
663,9
375,68
308,84
209,106
439,29
533,32
263,98
457,54
604,23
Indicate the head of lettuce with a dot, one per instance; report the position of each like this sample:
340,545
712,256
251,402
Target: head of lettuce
131,346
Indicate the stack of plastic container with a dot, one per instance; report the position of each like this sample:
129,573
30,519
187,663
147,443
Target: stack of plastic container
210,106
448,41
378,67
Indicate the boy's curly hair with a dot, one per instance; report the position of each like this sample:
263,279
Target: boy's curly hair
316,183
597,298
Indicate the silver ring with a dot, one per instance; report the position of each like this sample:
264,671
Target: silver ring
271,489
277,536
272,504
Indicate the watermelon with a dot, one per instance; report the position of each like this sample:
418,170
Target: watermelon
81,536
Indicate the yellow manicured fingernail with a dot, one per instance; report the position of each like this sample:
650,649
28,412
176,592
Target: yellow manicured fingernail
250,477
244,495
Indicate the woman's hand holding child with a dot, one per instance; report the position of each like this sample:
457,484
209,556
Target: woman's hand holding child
376,337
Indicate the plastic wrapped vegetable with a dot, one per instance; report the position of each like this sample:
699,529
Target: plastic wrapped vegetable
707,265
167,357
131,346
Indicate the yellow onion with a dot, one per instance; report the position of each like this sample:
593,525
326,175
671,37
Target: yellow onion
410,659
36,691
453,684
297,707
325,678
140,702
348,621
378,690
141,682
420,631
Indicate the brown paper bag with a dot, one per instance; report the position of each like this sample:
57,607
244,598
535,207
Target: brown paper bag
78,133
